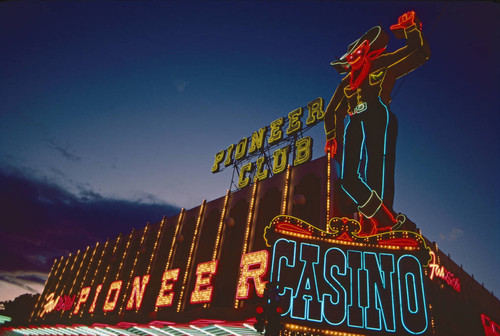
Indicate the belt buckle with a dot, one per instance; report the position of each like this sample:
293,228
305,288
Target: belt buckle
360,108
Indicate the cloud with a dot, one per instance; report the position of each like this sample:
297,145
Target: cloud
24,279
64,151
41,221
14,284
454,234
180,85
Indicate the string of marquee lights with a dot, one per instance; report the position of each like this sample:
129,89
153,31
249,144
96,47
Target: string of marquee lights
247,232
62,273
215,254
328,189
45,286
125,254
68,278
344,242
190,256
91,259
99,261
59,281
84,277
109,306
115,247
158,235
95,270
76,278
285,192
218,237
89,266
96,273
128,281
48,289
174,238
433,323
393,240
173,246
141,279
298,330
112,285
105,254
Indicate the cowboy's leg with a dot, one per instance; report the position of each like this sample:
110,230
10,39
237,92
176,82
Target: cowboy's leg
376,127
390,160
352,183
379,212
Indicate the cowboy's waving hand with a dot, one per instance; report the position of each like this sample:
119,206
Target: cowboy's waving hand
405,21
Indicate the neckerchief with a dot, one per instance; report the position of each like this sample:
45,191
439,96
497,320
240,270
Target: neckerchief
365,69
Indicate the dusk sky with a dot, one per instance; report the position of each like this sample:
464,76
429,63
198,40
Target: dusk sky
111,114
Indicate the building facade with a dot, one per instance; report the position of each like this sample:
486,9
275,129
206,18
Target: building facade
205,272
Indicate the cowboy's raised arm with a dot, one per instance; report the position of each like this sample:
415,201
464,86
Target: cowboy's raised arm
336,110
415,53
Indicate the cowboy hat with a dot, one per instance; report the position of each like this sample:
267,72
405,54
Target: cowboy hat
377,38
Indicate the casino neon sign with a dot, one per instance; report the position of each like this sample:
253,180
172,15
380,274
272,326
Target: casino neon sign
373,283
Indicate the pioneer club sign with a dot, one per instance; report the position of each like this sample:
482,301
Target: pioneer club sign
271,138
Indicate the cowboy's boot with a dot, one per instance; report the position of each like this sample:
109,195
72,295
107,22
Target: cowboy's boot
383,219
367,226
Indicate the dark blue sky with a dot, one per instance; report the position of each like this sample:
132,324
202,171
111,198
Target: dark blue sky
129,101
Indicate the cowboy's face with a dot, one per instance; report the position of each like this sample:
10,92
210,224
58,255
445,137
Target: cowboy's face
358,56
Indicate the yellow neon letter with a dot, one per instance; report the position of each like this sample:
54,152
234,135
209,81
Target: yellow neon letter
294,123
229,155
241,149
280,159
243,179
303,150
257,140
137,292
84,295
114,289
219,157
316,111
202,292
261,173
249,271
276,133
166,296
97,292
